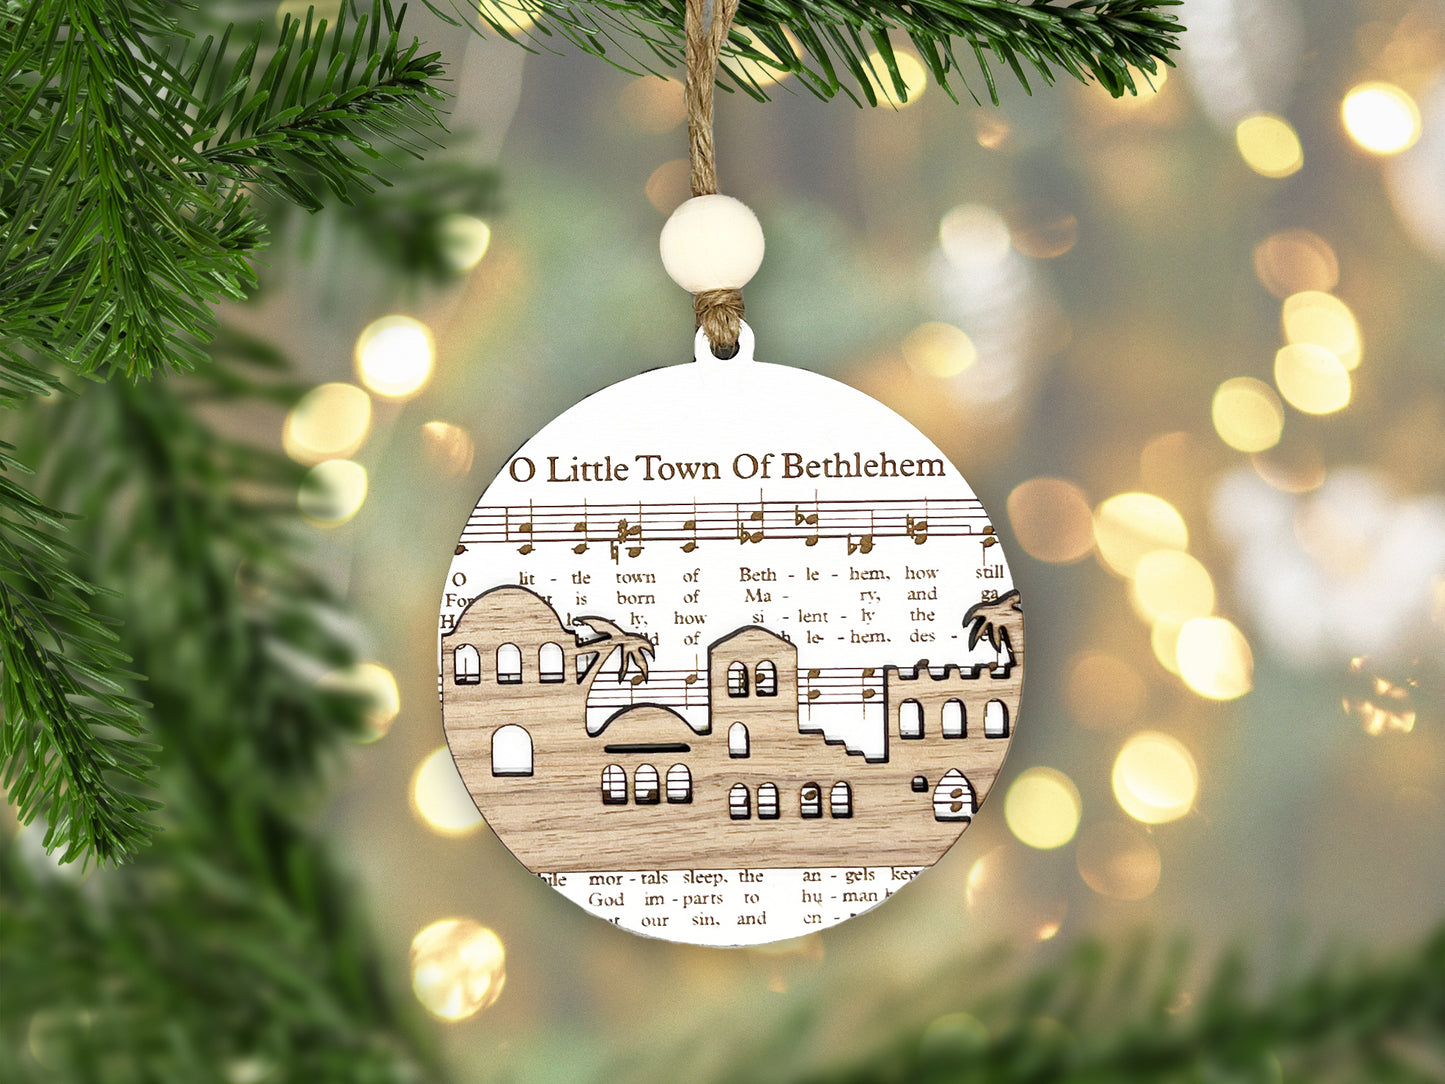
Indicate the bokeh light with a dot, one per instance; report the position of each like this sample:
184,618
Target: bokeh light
1171,586
1051,520
1311,378
377,686
910,68
465,240
1292,261
332,492
394,356
1042,808
1155,780
974,236
448,448
1164,642
669,185
1104,691
952,1036
938,350
329,10
652,104
1008,894
513,16
329,421
1118,861
1147,87
1381,118
1379,704
1313,316
1214,658
458,968
1129,525
440,798
771,69
1268,144
1247,414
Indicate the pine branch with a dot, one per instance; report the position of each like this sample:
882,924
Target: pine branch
127,168
1123,1014
126,188
299,121
232,942
1104,40
203,530
69,745
203,965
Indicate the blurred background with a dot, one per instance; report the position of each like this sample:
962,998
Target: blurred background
1187,346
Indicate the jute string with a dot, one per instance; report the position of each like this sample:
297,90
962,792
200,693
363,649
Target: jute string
719,312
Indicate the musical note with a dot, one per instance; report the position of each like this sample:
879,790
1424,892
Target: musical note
868,672
869,694
811,520
744,535
526,529
990,540
865,543
460,549
626,532
917,530
581,528
691,525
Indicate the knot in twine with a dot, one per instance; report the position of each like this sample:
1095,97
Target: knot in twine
719,312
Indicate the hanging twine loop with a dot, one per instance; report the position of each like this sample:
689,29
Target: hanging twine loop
719,312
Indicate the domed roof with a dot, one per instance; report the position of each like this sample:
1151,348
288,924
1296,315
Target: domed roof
512,612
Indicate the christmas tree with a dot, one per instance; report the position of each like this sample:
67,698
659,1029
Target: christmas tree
182,682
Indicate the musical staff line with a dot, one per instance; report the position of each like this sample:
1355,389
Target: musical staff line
627,529
687,688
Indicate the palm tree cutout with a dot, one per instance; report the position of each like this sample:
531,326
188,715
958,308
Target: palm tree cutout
636,650
1001,621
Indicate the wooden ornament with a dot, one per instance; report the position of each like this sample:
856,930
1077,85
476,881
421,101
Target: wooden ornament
729,652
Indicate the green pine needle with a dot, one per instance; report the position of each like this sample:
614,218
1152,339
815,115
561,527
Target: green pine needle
70,743
129,169
1108,41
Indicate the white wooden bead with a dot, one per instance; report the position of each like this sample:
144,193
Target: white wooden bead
712,243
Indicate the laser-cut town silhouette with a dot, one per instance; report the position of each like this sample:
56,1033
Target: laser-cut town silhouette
755,787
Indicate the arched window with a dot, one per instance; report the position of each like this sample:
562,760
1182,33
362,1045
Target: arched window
739,804
584,663
910,719
810,800
645,789
614,785
737,680
955,719
679,784
509,665
840,801
551,663
920,783
767,680
738,740
995,719
511,751
466,665
767,802
953,799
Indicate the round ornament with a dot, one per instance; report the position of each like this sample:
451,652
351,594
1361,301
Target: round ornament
729,652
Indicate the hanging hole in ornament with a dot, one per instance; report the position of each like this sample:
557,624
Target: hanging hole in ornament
703,350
